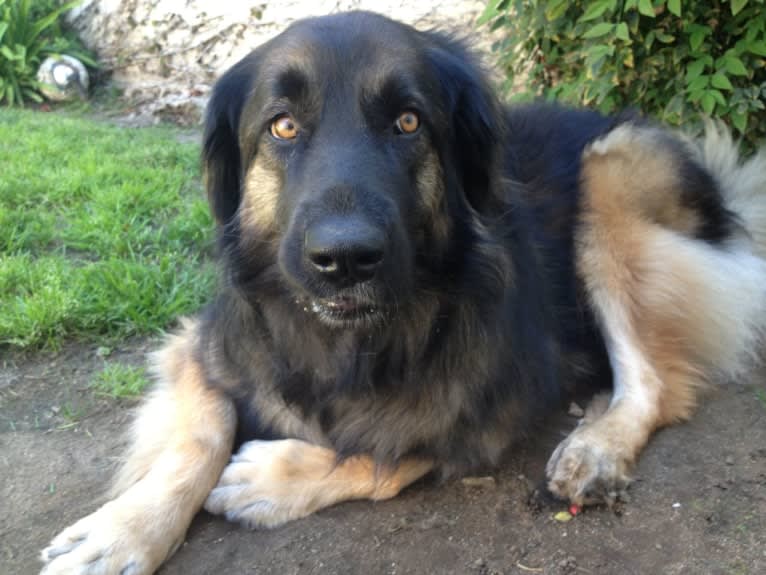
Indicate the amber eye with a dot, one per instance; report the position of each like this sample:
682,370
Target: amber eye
407,123
284,127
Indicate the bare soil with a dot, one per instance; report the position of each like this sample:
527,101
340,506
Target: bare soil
698,505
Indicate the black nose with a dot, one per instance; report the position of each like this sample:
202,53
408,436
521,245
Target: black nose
345,250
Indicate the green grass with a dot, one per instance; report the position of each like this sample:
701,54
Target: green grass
119,380
103,230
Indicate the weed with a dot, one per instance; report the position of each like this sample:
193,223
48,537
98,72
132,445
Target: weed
119,380
70,413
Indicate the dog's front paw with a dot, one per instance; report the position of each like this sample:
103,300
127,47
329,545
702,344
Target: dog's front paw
111,541
590,467
269,483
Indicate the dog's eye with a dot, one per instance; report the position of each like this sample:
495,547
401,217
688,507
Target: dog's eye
407,123
283,127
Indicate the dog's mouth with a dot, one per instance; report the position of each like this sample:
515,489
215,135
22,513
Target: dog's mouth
346,311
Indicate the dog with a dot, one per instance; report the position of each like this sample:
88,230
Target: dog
415,274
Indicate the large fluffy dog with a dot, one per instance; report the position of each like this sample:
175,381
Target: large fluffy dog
414,274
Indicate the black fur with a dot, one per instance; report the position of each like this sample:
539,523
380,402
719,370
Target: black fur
463,340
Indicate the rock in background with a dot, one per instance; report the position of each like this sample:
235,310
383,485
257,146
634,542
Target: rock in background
166,54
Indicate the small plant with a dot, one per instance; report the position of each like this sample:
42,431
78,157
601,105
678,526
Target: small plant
119,380
29,32
675,60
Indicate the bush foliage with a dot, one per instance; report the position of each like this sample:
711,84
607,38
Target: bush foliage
30,31
675,60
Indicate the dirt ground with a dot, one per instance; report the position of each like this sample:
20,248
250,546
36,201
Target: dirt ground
698,505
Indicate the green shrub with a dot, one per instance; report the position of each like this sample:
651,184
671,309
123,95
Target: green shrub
674,60
30,31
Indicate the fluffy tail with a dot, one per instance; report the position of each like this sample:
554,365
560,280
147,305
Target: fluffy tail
743,182
736,276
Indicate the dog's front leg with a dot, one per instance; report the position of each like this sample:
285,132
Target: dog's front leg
182,440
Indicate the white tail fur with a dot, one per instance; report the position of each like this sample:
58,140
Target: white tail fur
743,181
737,275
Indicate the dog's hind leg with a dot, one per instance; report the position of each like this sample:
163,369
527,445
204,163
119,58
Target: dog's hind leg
182,439
677,310
271,482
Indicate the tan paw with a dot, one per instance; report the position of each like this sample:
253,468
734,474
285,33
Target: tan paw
269,483
107,542
589,467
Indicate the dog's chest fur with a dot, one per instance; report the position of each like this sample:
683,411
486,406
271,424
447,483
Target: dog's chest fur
403,392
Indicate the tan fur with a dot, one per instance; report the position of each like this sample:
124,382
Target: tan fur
431,189
271,482
259,205
637,179
182,441
675,311
630,192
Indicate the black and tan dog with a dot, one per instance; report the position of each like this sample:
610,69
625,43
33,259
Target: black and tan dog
413,274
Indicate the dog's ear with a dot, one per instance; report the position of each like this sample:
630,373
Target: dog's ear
221,154
476,117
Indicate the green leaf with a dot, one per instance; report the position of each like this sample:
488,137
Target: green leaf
10,97
739,119
49,19
34,96
622,32
554,10
3,28
758,48
595,10
718,97
645,7
491,11
697,37
675,7
695,69
8,53
600,29
721,82
734,66
737,5
665,38
649,39
698,83
599,51
708,103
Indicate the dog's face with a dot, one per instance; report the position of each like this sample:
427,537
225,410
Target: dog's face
341,155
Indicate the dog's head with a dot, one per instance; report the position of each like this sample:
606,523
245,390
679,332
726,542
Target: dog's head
343,161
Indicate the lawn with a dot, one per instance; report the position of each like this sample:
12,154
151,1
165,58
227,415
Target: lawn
104,232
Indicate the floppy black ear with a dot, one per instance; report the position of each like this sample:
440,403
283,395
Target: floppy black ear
476,117
221,155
